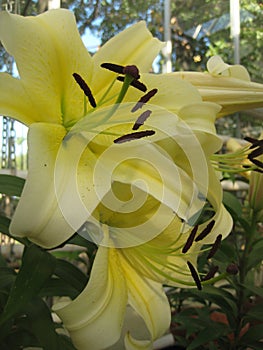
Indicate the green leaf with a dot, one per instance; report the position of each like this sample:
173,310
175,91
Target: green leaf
4,228
255,313
253,290
208,334
78,240
42,325
255,255
65,343
36,329
226,254
245,224
253,334
11,185
223,299
7,277
58,287
254,259
187,319
71,274
4,225
232,204
2,260
19,338
257,245
37,266
253,345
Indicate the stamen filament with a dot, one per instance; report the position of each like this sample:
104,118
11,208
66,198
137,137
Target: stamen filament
213,280
244,169
164,274
125,86
101,101
232,162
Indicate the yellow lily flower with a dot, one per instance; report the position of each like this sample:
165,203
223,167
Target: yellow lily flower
145,237
137,200
228,85
50,101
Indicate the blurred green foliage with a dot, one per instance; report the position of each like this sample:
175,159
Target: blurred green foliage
106,18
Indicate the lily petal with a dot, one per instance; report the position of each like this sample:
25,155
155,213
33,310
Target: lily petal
148,299
164,180
200,117
172,93
223,220
52,45
231,93
162,260
174,96
37,209
216,66
59,193
135,45
20,107
94,319
152,165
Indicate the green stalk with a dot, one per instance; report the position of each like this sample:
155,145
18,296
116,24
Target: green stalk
241,278
125,86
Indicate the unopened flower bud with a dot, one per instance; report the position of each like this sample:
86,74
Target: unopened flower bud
232,269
